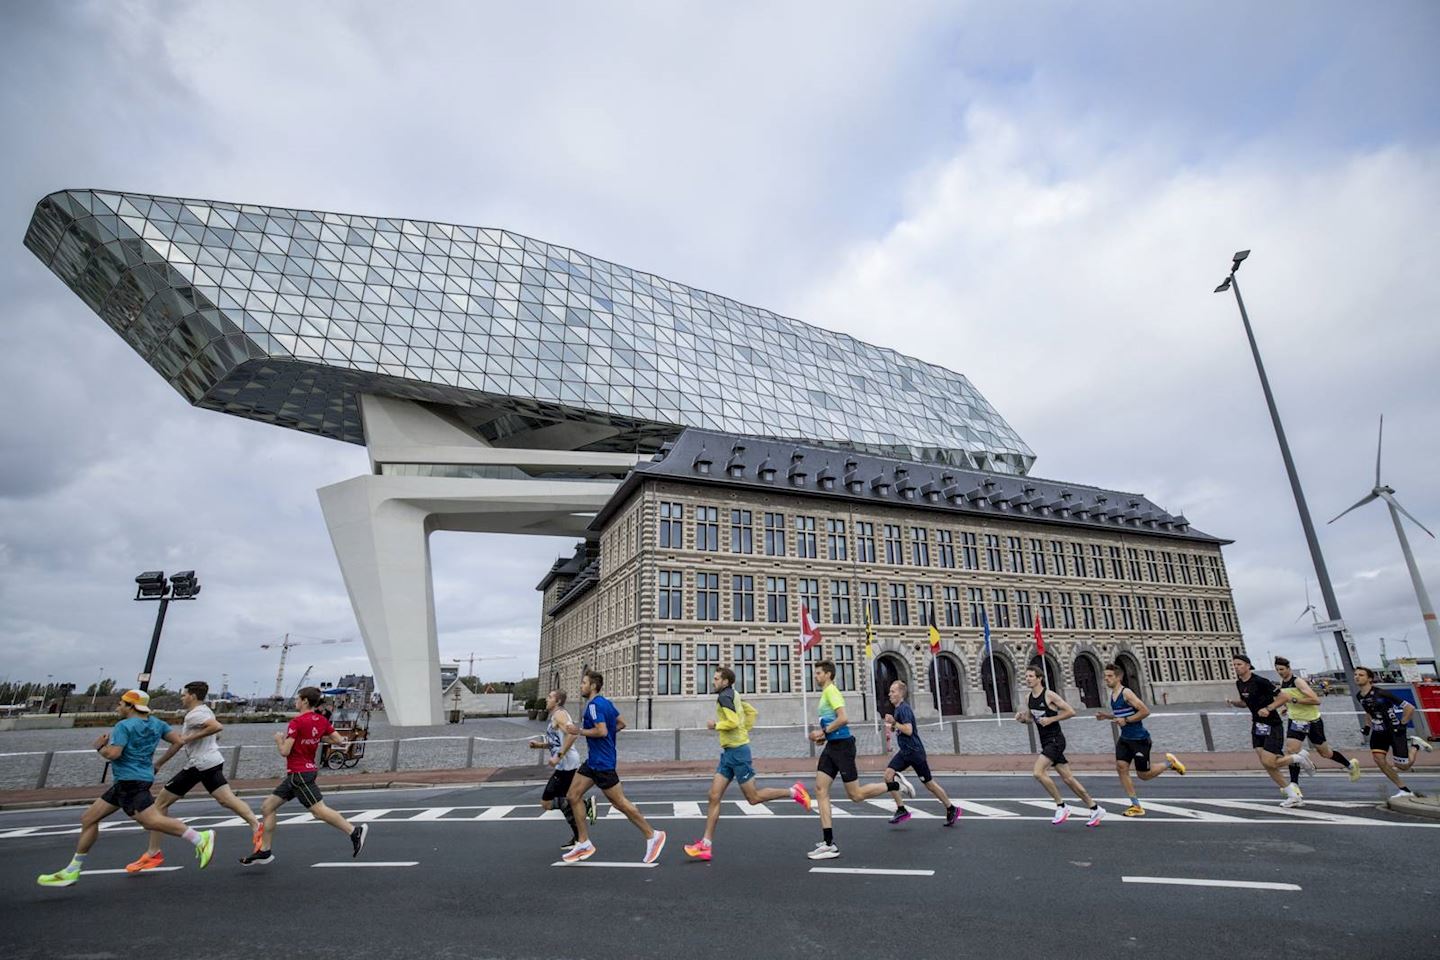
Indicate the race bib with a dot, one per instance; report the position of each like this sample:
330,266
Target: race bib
1262,729
1300,726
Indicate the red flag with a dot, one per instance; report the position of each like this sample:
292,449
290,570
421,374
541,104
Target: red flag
1039,639
809,633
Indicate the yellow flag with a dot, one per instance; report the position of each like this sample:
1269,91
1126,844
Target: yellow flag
934,639
869,635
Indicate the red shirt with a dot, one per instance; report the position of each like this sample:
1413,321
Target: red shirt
307,730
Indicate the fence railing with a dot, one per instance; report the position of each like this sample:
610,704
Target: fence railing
1207,732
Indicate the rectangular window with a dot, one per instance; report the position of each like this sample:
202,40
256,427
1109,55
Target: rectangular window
952,607
670,670
1217,572
1024,615
777,600
1190,673
1127,615
864,542
945,543
925,599
1097,560
870,601
812,656
1047,610
1117,569
1162,615
810,597
1057,557
707,528
1067,611
1087,611
1168,562
778,667
1152,569
742,599
1152,662
894,549
1200,577
1017,555
1212,622
839,601
672,596
971,551
774,534
1172,664
1037,557
899,605
1142,604
992,553
707,661
1178,609
1195,624
1132,556
835,540
1078,566
672,529
744,667
707,596
975,597
742,532
844,665
1228,614
1107,611
920,546
1185,575
1001,604
805,546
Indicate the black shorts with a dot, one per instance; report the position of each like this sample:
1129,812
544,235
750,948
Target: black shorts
913,761
1054,750
1302,730
1393,741
1268,737
838,760
604,779
1134,751
132,796
558,785
299,786
183,782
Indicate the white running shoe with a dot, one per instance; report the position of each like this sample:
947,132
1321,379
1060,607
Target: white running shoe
906,787
1062,813
1419,743
1293,798
824,851
1306,763
1096,816
1354,770
654,845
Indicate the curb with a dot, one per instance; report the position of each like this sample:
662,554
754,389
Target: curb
1428,807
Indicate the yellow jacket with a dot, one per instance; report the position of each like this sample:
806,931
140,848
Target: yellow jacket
733,718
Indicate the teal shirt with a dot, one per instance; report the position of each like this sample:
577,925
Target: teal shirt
138,736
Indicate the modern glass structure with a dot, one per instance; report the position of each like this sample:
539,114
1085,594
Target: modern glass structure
499,383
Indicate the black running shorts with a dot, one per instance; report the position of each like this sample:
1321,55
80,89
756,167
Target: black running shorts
183,782
1136,751
913,761
1053,749
1391,741
558,785
604,779
299,786
1302,730
132,796
1268,737
838,760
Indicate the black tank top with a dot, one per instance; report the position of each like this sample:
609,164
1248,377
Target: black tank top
1040,708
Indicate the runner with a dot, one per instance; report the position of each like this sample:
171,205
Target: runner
1303,722
1046,709
733,720
565,759
130,748
1256,694
910,753
1128,712
298,745
837,759
1386,718
600,723
203,765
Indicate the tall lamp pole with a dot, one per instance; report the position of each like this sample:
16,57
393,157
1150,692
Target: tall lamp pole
152,585
1327,591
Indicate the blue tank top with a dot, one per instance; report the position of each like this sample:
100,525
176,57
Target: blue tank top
1122,709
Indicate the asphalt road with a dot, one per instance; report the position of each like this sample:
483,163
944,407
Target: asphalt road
1005,883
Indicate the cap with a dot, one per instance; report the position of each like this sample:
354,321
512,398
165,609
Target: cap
138,699
1241,656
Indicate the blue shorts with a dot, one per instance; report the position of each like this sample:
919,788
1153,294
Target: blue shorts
735,764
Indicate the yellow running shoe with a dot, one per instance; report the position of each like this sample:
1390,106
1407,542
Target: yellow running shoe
1134,810
61,878
205,848
1354,770
1175,763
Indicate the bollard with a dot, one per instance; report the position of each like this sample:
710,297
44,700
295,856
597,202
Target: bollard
395,755
1205,729
955,736
234,773
1030,729
677,744
44,769
470,753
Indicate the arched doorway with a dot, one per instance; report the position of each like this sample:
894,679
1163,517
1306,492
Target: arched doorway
1087,680
1129,671
995,678
888,669
1051,670
945,685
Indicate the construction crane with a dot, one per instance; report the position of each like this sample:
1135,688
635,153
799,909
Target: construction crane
303,677
285,644
472,659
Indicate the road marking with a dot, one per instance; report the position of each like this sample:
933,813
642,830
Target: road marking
120,870
889,807
365,816
1256,806
1192,882
687,810
369,863
983,810
26,831
1187,813
434,813
494,813
755,810
603,863
874,871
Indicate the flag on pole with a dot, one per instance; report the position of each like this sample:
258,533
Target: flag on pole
809,633
1039,639
934,639
985,625
869,634
990,662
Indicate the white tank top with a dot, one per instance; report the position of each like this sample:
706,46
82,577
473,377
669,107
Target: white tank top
554,739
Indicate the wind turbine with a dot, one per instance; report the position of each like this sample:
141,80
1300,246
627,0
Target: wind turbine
1383,492
1315,618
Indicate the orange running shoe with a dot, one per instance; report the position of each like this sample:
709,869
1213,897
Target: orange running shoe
147,861
699,850
800,795
257,837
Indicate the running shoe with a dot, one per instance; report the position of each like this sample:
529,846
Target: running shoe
1062,813
824,851
1134,810
654,845
258,858
906,787
205,849
699,850
589,809
257,838
357,839
569,845
951,815
901,816
61,878
800,795
1175,763
581,851
1293,797
147,861
1096,815
1305,761
1354,770
1420,743
1405,793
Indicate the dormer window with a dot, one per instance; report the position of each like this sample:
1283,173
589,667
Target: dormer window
737,470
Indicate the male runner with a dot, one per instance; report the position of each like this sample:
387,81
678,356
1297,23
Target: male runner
298,745
565,759
837,759
1128,712
600,723
1256,694
203,765
733,720
1303,722
1046,709
1387,717
910,753
130,748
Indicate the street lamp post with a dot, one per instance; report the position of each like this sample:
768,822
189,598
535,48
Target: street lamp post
95,691
1327,591
152,585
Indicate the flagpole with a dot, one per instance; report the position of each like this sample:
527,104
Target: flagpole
990,656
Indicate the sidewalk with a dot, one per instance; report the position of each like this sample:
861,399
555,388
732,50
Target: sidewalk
1010,763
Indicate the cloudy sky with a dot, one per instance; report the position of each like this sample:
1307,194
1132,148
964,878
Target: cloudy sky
1040,197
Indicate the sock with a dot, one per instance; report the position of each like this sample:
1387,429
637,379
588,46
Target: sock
191,836
77,862
829,834
900,808
1340,758
893,785
1059,804
1094,806
1294,773
1134,801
